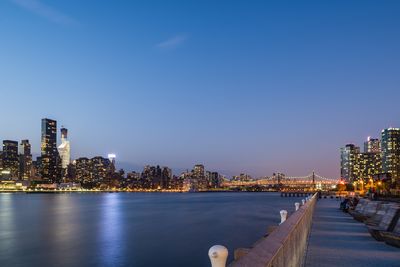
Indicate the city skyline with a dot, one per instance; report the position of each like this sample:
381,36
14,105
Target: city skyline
280,89
370,145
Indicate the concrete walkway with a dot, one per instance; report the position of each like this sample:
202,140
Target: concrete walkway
339,240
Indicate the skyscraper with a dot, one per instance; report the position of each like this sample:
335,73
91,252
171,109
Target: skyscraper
391,152
372,145
368,165
83,170
25,160
100,169
111,158
166,177
64,149
348,163
10,158
198,177
50,156
198,170
215,180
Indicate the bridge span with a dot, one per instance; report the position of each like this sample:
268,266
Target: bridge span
312,181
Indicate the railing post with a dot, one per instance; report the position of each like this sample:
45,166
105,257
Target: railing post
297,205
218,255
283,216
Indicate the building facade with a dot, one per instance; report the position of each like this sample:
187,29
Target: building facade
348,162
199,179
64,149
101,169
10,158
390,145
215,180
368,165
49,152
25,160
83,168
372,145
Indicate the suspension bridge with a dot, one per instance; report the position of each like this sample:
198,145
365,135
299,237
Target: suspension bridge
282,182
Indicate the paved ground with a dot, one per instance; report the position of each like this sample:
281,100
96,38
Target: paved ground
339,240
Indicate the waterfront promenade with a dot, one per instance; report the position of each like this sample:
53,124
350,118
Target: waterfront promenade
337,239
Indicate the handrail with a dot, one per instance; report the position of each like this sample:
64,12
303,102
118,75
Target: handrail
286,245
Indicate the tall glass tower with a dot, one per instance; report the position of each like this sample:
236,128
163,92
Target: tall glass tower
50,157
64,149
391,152
348,162
10,158
25,160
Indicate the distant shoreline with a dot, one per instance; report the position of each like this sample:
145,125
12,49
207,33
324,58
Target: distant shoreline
124,191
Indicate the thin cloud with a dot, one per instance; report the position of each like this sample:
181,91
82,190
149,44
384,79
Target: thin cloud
45,11
172,42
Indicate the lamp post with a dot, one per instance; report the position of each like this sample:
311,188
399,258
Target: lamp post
362,186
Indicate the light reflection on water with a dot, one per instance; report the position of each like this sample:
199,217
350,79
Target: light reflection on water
131,229
7,223
110,230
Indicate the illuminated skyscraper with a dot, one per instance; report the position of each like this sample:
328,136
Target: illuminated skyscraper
83,169
391,152
348,164
198,177
372,145
112,157
64,149
368,165
25,160
198,170
50,157
100,168
10,158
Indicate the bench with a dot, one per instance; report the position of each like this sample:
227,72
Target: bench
386,224
375,219
392,238
367,211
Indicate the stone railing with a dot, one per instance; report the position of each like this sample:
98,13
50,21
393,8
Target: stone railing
285,246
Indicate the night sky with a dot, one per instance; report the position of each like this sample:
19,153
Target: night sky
240,86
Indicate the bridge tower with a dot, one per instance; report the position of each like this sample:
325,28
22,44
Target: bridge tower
313,180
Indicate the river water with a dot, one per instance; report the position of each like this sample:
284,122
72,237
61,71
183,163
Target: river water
131,229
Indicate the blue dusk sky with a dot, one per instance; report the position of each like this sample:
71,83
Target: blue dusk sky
240,86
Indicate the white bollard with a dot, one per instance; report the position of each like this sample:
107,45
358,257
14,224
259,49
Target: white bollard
283,216
218,255
303,201
297,205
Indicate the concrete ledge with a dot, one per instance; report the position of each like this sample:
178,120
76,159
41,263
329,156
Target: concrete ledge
286,245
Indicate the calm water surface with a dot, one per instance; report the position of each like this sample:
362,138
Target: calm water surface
131,229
